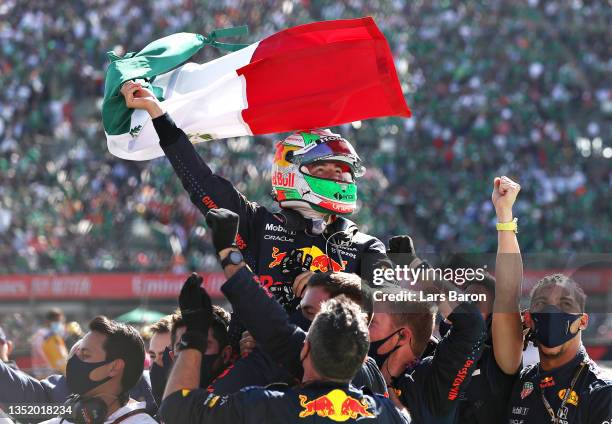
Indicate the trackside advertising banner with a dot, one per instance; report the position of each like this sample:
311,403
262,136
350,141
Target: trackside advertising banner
101,286
168,286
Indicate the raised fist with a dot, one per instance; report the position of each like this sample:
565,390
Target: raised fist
137,96
503,197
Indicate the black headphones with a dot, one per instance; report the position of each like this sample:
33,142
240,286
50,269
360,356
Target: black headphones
85,411
92,410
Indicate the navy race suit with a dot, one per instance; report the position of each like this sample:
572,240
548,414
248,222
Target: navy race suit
431,390
486,398
317,402
279,340
262,236
589,402
314,402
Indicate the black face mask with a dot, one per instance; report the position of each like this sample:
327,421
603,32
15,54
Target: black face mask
298,318
208,371
158,382
552,326
159,376
380,358
444,327
77,375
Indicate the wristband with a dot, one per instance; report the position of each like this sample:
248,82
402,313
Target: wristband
193,340
508,226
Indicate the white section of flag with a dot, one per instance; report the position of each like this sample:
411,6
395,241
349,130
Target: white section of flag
203,99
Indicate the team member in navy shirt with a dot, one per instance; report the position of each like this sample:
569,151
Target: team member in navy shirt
566,386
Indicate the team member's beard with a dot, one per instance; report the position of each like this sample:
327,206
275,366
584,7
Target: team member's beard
210,368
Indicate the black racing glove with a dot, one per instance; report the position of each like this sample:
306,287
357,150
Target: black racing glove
196,311
224,226
402,252
401,244
295,263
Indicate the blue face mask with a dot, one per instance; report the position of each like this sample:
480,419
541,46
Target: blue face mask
552,326
57,328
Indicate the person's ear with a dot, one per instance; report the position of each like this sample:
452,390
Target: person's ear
583,322
117,367
305,350
404,336
10,345
528,320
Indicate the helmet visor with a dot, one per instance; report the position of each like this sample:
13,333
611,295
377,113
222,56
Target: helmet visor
330,170
333,149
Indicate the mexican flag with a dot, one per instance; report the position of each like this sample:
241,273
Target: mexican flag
310,76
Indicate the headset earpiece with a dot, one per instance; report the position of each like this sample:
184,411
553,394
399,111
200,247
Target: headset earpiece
86,411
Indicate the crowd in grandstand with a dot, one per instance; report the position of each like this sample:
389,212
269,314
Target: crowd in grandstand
516,88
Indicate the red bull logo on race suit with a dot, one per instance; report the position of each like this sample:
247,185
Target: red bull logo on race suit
320,261
335,405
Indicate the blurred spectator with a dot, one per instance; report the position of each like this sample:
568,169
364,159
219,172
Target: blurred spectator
49,353
73,334
499,87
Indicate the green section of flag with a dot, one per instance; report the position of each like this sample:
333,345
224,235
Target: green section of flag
156,58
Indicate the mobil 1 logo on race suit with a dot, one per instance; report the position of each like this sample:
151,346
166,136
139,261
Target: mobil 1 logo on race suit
277,242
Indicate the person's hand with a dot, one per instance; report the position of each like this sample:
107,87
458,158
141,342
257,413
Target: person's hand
401,244
402,249
224,226
195,305
138,97
300,283
503,197
295,263
247,343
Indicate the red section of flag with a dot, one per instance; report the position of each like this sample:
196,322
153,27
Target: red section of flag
321,74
